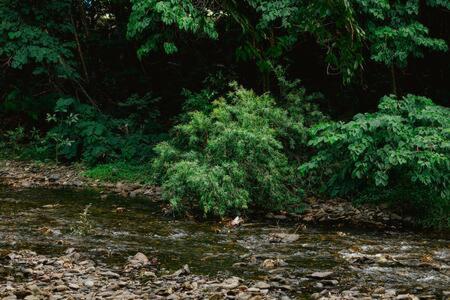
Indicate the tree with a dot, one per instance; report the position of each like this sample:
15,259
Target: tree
267,29
37,51
395,33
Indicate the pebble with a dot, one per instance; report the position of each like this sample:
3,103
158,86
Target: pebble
321,275
74,286
230,283
88,283
69,280
261,285
61,288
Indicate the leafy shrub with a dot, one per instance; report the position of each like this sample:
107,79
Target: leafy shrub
399,150
13,139
82,131
231,157
20,143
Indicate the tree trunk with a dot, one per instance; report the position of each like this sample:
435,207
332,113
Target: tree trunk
80,51
394,80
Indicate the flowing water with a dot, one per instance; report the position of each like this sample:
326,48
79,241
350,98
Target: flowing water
49,222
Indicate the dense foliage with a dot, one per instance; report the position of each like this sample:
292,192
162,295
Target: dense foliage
81,131
102,82
233,156
403,149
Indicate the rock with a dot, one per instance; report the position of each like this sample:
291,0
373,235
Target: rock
139,258
396,217
230,283
149,274
379,290
330,282
120,210
315,296
88,283
406,297
26,184
272,263
261,285
74,286
54,177
283,237
321,275
51,206
70,250
77,183
236,221
110,274
243,296
11,297
390,292
61,288
216,296
183,271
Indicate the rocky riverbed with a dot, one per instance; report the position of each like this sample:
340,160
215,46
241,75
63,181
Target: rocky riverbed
26,275
72,276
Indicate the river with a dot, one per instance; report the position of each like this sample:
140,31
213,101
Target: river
49,221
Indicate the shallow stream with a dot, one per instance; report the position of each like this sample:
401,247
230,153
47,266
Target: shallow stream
50,221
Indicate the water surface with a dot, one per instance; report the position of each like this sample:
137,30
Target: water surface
49,222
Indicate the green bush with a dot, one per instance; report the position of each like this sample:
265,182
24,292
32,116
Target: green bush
403,150
232,157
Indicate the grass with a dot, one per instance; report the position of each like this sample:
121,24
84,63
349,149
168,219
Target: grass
121,171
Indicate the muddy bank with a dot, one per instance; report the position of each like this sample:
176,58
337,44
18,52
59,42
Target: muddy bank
318,211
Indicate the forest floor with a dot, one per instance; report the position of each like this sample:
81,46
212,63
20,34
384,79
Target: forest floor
338,212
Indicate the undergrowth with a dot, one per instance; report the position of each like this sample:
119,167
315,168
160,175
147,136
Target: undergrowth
121,171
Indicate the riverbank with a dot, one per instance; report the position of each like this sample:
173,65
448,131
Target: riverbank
336,212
